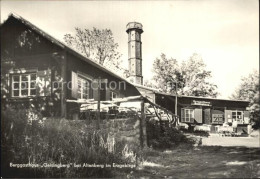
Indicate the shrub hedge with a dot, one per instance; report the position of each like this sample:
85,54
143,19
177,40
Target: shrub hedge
28,138
164,136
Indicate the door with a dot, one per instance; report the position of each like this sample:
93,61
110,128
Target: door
207,115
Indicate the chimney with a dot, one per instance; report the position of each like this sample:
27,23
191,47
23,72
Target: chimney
134,30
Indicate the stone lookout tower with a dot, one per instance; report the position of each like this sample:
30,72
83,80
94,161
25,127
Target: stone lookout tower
134,30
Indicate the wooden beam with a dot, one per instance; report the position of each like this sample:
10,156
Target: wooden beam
64,84
158,106
128,99
143,136
116,100
98,104
80,101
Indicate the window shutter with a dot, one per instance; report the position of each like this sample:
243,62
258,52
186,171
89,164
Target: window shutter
102,92
198,115
6,86
43,82
228,116
246,117
182,115
74,85
95,94
207,116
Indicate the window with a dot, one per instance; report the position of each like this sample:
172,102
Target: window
83,88
112,95
187,115
24,85
237,116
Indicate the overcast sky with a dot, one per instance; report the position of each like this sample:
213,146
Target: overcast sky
224,33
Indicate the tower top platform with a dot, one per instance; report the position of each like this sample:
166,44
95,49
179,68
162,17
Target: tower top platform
134,26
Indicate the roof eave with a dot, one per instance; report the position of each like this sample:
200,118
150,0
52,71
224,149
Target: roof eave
63,46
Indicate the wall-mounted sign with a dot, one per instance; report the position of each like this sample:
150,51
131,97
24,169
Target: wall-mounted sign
200,103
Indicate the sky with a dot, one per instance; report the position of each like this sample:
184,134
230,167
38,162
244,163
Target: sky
224,33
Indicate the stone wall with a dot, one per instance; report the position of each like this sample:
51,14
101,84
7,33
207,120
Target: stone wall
125,129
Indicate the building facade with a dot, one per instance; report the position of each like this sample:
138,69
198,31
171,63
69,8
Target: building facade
194,110
38,70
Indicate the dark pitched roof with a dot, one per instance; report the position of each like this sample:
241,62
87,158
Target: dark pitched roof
156,91
62,45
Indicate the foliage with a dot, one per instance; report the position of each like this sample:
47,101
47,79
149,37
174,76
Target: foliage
191,131
96,44
163,136
191,77
166,70
28,138
249,90
196,78
150,84
201,133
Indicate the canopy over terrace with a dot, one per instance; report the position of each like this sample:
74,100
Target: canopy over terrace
132,103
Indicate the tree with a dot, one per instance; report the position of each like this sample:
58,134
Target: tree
166,70
196,78
191,77
249,90
96,44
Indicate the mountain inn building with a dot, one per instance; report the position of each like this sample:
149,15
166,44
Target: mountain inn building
38,69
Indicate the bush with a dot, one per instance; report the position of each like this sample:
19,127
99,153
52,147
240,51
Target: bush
162,136
28,138
17,125
201,133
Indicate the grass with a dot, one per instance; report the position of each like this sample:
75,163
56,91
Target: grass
201,162
28,139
